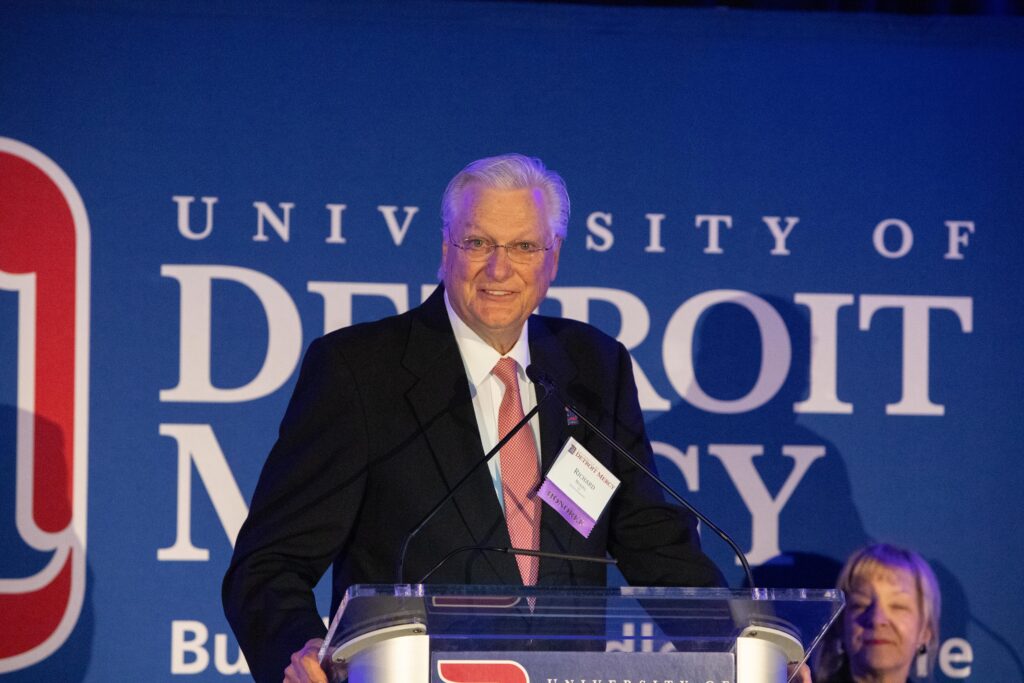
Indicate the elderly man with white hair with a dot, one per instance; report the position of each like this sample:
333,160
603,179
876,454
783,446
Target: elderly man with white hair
387,416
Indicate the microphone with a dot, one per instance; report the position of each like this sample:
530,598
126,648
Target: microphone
538,376
400,567
516,551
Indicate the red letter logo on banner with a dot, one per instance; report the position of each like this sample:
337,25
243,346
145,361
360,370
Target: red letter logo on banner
481,671
44,261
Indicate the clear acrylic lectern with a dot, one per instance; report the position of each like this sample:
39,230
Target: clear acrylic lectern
506,634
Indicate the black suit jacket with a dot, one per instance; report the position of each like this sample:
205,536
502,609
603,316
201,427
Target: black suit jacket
380,426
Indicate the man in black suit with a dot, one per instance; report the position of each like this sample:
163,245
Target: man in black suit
387,416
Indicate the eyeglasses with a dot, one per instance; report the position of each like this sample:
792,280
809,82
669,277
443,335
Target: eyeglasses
480,249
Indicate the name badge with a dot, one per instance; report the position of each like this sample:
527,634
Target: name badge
578,487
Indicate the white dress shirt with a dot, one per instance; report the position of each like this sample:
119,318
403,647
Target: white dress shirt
486,390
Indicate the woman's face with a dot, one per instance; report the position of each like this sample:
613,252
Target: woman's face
883,626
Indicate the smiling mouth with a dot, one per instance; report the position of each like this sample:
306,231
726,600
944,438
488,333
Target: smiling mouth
497,292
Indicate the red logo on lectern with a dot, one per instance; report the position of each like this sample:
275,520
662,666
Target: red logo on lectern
44,264
481,671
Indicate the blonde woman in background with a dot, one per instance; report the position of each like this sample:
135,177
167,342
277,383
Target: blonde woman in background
891,616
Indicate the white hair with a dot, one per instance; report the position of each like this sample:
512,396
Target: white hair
510,172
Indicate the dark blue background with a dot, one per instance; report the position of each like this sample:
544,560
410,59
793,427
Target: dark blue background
841,120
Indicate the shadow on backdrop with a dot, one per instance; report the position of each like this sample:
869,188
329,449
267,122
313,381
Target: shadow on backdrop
957,618
71,660
818,526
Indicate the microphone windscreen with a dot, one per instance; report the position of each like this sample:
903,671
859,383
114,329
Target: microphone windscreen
538,376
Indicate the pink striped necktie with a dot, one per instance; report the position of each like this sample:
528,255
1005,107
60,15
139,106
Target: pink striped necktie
520,473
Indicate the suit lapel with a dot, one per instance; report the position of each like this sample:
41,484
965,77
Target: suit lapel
442,404
546,352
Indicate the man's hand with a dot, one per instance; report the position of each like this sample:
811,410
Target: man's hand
802,676
305,666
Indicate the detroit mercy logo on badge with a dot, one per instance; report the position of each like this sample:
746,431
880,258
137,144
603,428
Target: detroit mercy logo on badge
44,271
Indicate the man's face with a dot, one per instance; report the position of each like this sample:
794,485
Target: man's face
495,296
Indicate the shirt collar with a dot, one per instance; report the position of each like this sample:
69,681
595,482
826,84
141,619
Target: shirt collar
478,356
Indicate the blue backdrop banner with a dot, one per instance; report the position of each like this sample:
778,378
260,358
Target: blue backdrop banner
805,228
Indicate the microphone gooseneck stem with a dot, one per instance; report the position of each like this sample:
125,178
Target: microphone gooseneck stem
679,499
550,387
400,567
516,551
